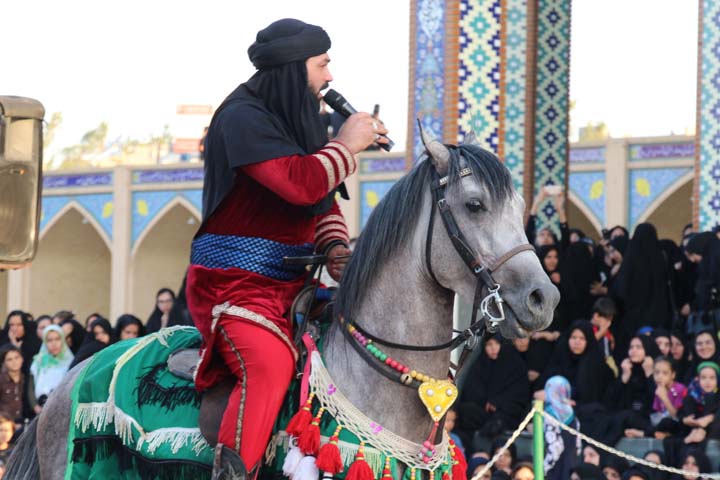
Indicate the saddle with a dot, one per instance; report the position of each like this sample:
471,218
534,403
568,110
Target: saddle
183,363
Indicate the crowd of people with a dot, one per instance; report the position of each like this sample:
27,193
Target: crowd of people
37,352
632,352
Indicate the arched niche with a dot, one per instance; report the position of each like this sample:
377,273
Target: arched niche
162,255
579,216
72,268
673,212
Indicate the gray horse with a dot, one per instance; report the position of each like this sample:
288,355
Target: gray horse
399,285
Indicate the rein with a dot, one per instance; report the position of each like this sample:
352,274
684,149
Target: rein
479,327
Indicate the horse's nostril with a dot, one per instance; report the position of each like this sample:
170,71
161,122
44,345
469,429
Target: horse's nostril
535,300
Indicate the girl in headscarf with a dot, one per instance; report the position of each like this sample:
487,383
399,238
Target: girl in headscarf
701,405
632,393
578,359
563,448
21,332
52,363
496,392
662,340
696,461
642,284
160,316
100,335
128,327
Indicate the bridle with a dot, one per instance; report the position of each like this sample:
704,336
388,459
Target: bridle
486,323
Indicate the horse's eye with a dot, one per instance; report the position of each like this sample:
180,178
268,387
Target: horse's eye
475,205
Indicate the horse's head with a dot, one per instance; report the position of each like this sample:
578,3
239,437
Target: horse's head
488,213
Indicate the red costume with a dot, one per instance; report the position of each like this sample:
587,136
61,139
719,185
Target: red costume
240,312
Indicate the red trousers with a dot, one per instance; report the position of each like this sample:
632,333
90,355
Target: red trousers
263,366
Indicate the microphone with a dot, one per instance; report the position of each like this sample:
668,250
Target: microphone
338,103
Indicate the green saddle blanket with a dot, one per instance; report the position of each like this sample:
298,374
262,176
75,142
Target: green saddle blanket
133,419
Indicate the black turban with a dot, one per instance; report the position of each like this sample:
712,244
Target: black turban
287,40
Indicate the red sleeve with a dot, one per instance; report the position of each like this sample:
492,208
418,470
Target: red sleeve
330,228
305,179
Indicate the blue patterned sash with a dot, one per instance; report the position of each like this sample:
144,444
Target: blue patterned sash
258,255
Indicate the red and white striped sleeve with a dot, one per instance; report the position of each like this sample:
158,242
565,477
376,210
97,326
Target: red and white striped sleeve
338,162
331,228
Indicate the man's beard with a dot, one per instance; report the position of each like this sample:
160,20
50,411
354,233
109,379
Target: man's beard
318,93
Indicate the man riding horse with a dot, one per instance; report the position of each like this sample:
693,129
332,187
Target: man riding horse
271,177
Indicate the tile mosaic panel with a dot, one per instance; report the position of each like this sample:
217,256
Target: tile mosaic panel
551,106
99,206
77,180
708,158
479,74
661,151
147,205
646,185
370,195
429,78
587,155
175,175
589,187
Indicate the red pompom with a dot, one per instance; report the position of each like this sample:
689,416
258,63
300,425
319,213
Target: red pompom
309,439
299,422
360,470
329,459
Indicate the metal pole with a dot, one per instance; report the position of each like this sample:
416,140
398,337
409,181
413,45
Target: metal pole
538,441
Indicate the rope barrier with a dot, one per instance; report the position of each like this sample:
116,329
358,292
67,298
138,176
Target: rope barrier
591,441
509,442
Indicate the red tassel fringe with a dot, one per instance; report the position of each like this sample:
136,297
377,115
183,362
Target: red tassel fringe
445,476
309,440
329,459
299,422
360,470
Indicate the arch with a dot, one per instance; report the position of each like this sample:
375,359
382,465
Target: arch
670,216
580,216
178,200
73,204
674,187
72,269
161,257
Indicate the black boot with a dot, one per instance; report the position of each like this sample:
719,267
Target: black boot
228,465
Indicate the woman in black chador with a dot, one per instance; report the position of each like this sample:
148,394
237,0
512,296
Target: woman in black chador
642,286
496,392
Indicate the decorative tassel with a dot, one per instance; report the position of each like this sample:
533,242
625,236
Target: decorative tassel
329,459
292,460
459,465
307,470
445,476
309,440
360,470
301,419
387,473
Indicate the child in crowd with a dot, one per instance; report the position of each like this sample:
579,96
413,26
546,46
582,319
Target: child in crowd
668,399
7,431
17,397
51,364
701,404
604,311
450,420
563,449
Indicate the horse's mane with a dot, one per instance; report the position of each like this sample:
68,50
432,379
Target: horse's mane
394,219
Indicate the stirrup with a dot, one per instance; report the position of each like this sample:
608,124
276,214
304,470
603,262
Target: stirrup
227,464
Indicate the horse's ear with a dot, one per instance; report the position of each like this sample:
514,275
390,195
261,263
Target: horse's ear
439,154
471,139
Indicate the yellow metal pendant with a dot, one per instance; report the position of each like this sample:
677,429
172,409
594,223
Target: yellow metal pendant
438,396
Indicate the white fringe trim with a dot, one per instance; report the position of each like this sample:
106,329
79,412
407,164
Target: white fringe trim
101,414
